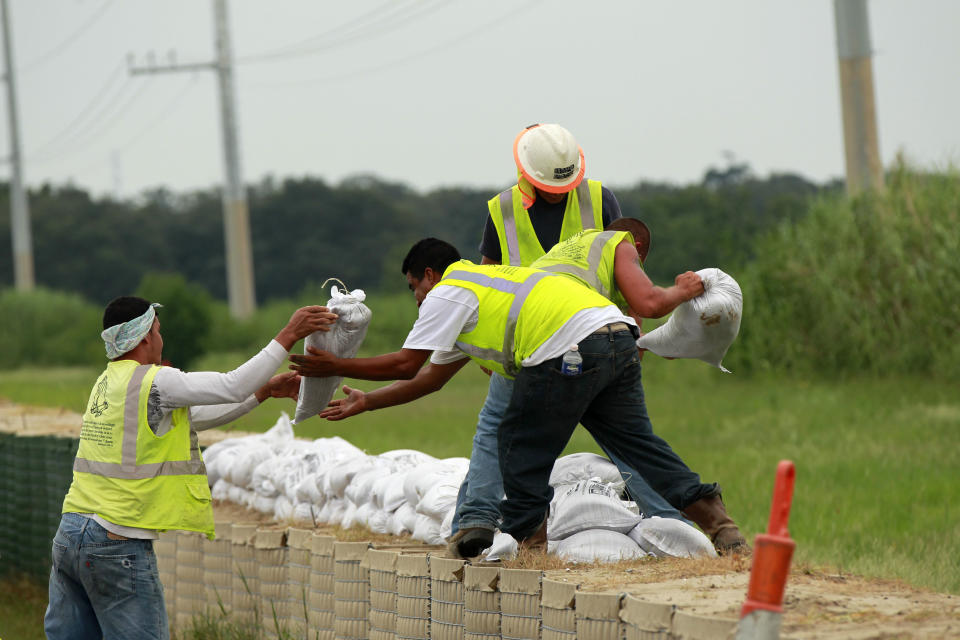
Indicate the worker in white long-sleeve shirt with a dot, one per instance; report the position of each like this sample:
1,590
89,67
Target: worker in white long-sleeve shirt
138,469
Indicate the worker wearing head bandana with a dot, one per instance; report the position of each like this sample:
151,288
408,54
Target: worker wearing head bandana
138,469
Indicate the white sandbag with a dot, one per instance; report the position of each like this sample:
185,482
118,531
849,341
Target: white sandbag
343,340
407,458
282,509
669,537
280,432
348,519
362,516
504,547
441,497
702,328
263,504
261,481
332,511
361,486
598,545
427,530
237,495
220,490
423,477
218,460
304,513
575,467
307,490
340,475
446,525
240,472
378,520
391,495
589,504
406,515
395,525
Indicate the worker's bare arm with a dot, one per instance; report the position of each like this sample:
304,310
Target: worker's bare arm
399,365
644,297
429,379
486,260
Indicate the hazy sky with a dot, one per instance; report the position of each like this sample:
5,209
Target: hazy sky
432,92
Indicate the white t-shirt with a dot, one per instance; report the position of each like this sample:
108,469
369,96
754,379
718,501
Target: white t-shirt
449,310
214,399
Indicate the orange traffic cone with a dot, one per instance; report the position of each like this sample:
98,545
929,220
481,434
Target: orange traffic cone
772,552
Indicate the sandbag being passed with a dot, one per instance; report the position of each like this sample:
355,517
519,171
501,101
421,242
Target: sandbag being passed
702,328
343,340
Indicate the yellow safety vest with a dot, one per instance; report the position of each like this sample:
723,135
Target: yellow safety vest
519,245
588,258
519,309
127,474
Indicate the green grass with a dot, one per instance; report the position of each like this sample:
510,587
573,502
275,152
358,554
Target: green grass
23,601
876,458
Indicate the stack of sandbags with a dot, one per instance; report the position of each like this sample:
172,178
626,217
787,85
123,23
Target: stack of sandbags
330,481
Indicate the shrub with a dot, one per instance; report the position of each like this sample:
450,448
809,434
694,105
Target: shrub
864,284
185,318
44,327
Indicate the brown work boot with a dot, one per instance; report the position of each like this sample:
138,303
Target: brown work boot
469,543
537,541
711,516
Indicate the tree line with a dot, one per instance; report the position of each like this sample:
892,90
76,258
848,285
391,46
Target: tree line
305,230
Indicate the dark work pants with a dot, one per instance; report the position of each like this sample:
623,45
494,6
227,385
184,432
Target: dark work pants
607,398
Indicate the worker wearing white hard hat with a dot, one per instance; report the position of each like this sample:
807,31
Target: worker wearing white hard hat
550,202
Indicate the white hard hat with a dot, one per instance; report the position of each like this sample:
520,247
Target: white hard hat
549,157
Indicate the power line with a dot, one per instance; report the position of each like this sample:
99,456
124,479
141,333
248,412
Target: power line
60,48
348,25
72,127
165,112
441,46
103,121
386,25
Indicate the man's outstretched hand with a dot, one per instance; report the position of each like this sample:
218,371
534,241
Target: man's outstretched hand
354,403
282,385
303,322
318,365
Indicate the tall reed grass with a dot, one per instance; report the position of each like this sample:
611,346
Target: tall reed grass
870,284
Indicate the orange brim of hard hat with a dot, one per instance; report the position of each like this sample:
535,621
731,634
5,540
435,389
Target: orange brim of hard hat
540,185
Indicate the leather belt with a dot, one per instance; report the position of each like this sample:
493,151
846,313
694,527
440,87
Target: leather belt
613,327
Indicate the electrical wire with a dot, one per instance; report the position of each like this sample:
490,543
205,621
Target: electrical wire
441,46
106,118
168,109
380,27
60,48
98,97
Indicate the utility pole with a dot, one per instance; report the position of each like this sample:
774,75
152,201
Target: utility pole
19,209
860,140
236,217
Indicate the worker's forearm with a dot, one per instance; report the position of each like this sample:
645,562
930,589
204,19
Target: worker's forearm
659,302
399,392
390,366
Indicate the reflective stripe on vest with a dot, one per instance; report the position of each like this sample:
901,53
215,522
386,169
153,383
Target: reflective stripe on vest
594,256
520,291
128,468
513,257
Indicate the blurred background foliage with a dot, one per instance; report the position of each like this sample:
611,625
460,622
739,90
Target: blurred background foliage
831,284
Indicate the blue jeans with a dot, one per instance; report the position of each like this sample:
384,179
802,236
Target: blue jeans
103,588
607,398
478,502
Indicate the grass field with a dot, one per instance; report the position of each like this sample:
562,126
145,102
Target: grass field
877,459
